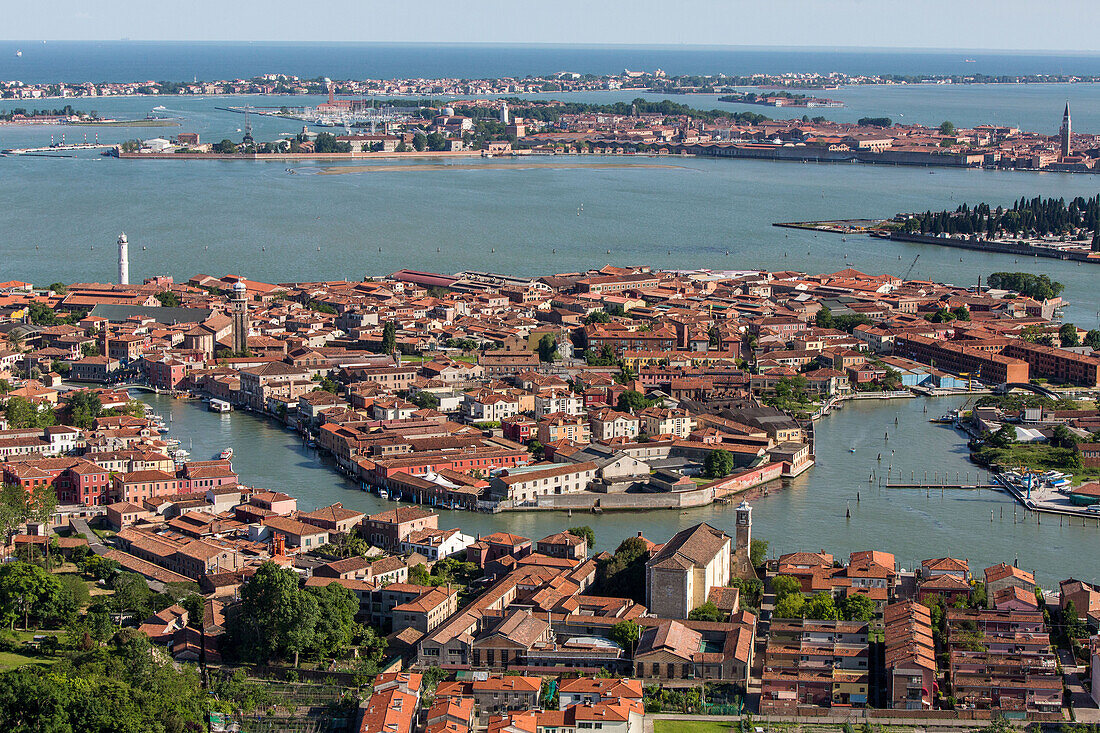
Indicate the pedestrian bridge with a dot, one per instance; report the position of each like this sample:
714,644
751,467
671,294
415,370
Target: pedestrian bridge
1009,386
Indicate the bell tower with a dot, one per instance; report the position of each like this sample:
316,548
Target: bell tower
743,522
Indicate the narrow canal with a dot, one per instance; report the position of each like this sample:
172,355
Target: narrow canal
807,514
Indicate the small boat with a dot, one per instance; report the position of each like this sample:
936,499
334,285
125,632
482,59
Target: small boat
852,449
217,405
226,454
382,493
180,454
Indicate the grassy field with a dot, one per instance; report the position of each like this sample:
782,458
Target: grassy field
11,660
690,726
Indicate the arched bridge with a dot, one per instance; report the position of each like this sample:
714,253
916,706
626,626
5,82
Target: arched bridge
1009,386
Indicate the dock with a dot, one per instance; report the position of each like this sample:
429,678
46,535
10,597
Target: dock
56,149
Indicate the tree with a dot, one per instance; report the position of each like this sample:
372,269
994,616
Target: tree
626,634
586,533
337,607
59,288
1092,339
961,312
718,463
824,318
1063,437
168,299
275,618
389,338
84,407
21,413
131,594
632,401
1068,336
597,317
420,142
947,128
225,147
822,606
30,594
1004,437
752,591
436,142
858,607
425,400
548,348
623,575
791,606
706,612
786,585
758,552
195,606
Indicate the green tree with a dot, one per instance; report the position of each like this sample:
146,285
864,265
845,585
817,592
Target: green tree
548,348
706,612
425,400
718,463
336,625
586,533
225,147
59,288
597,317
961,312
822,606
168,299
623,575
131,595
389,338
858,607
436,142
21,413
824,318
786,585
195,605
947,128
420,142
626,634
632,401
1092,339
32,596
758,552
275,619
791,606
1068,336
1004,437
84,407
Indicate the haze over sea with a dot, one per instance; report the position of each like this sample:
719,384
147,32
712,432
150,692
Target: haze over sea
73,61
60,218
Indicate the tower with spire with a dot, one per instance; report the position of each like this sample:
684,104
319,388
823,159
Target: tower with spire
1065,132
238,312
123,260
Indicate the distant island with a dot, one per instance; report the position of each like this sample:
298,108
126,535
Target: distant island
1035,227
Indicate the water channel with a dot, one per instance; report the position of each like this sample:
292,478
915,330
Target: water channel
806,514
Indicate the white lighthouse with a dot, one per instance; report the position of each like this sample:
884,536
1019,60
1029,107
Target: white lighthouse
123,260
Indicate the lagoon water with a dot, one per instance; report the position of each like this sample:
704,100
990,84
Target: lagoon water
807,514
61,216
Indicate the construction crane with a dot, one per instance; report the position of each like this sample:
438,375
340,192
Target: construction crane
906,275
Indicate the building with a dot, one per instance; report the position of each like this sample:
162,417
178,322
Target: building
680,576
238,305
524,485
390,528
1065,134
910,656
811,663
123,260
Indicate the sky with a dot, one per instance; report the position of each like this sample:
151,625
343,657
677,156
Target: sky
1026,25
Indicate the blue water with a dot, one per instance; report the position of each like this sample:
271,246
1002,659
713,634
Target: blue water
75,61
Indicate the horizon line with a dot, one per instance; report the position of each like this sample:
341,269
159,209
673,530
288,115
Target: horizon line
546,44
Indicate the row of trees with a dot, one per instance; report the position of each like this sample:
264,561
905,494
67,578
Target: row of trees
553,112
1037,216
1039,287
791,603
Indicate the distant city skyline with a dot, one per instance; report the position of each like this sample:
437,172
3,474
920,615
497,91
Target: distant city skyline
1020,25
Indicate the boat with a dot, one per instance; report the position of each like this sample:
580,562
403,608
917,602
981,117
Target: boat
852,450
180,455
217,405
226,455
383,494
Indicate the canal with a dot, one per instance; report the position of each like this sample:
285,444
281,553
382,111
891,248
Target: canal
806,514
